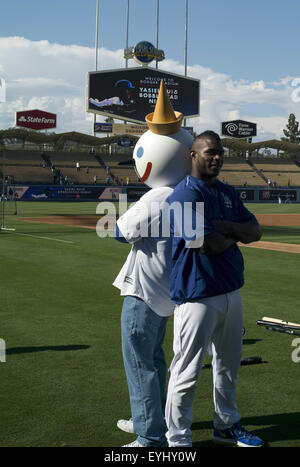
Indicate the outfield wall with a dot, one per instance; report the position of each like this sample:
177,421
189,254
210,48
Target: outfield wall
112,193
77,192
269,195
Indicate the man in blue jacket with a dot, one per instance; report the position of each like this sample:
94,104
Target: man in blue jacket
205,284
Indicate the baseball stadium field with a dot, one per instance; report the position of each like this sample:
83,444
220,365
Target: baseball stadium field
63,382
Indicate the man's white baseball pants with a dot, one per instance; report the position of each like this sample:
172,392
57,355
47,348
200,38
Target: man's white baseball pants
214,324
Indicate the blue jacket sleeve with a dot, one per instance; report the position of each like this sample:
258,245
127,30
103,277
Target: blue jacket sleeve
119,236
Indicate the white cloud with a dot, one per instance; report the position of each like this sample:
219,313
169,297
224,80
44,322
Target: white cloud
52,77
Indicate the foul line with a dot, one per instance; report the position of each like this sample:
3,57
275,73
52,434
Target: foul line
44,238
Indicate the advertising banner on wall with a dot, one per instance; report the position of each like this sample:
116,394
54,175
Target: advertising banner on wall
238,129
120,128
77,192
130,93
246,195
134,194
36,119
57,192
273,195
125,142
129,129
100,127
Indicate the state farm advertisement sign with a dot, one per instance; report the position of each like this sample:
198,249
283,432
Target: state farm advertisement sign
36,119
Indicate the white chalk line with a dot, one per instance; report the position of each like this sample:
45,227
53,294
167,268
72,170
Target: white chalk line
44,238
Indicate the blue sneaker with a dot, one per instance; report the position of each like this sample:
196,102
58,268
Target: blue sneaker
238,436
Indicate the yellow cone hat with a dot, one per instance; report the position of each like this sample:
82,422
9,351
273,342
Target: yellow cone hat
164,120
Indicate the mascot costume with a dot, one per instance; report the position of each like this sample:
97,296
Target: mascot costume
161,157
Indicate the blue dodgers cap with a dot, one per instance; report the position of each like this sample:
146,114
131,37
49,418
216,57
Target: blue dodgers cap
124,83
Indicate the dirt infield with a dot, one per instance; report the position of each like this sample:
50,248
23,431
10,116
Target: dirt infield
279,219
286,247
89,222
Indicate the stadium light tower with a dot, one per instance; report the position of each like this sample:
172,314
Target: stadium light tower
96,35
157,26
127,28
186,41
96,53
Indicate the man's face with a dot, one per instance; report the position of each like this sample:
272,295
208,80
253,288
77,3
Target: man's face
207,158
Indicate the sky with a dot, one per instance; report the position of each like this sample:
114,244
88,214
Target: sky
245,54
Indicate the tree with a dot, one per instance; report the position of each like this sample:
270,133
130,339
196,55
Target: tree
291,133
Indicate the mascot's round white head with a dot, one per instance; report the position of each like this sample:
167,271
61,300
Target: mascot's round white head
161,155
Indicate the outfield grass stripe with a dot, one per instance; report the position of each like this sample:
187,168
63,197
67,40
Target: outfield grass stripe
44,238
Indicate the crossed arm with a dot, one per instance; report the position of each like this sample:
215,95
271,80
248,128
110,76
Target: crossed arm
227,233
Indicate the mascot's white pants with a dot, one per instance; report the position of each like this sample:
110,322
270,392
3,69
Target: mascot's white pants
213,324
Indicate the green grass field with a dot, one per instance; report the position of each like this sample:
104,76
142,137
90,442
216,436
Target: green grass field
63,382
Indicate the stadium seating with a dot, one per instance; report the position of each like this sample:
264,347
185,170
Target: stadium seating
81,177
283,171
237,172
23,158
34,167
28,174
70,159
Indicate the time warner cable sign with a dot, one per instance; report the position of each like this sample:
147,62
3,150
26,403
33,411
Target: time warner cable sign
130,93
238,129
